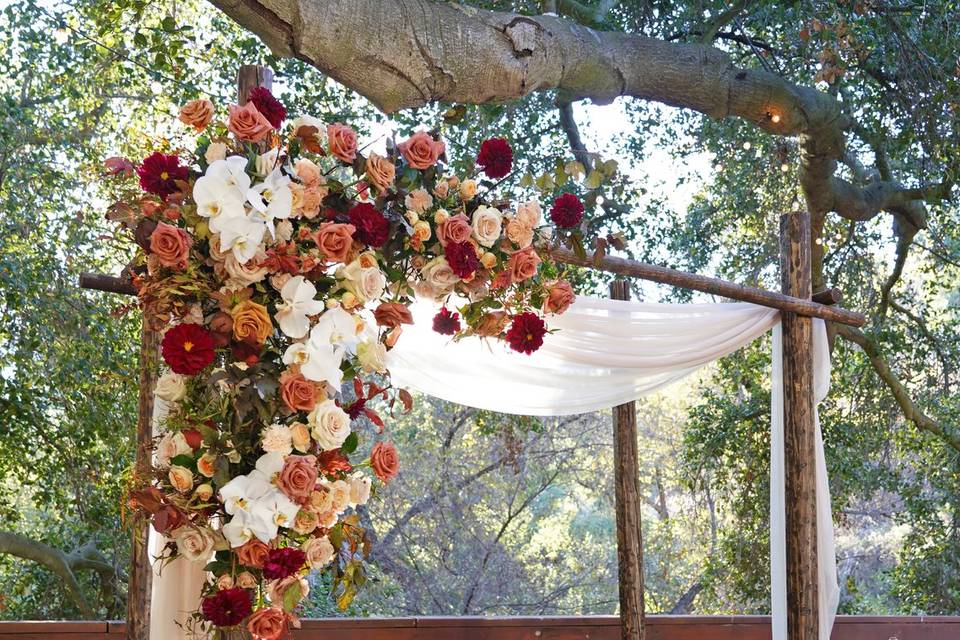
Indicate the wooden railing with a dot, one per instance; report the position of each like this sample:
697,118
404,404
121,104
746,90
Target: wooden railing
547,628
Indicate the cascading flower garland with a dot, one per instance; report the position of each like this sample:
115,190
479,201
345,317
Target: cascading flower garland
280,263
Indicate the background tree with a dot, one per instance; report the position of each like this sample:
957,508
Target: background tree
848,108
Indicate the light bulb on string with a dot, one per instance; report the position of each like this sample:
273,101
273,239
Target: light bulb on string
61,35
156,87
600,200
784,167
747,145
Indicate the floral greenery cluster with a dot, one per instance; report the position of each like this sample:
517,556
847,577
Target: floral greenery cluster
280,262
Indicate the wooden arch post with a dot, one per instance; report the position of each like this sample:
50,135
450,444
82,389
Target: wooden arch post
629,533
799,436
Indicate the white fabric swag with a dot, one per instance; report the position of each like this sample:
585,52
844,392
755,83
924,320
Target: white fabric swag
605,353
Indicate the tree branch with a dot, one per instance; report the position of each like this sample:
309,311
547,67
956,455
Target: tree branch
900,393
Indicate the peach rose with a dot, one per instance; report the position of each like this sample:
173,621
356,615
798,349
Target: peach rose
225,582
298,393
300,436
454,229
305,522
319,552
203,492
519,233
268,624
559,297
418,200
335,240
308,172
251,322
197,114
310,200
247,123
342,141
529,213
253,553
468,190
246,580
523,264
181,478
277,588
380,171
171,245
206,465
298,477
492,324
442,189
421,151
392,314
384,460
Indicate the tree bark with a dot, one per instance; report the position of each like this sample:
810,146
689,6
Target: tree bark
799,436
629,529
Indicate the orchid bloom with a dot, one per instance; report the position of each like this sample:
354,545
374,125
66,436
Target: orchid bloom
317,362
298,304
231,171
336,327
242,235
244,526
272,199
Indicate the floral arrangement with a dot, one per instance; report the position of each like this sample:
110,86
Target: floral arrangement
279,263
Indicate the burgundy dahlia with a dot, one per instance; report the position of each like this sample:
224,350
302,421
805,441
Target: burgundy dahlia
462,258
188,348
495,157
371,227
282,563
446,322
567,211
269,106
526,332
158,173
227,607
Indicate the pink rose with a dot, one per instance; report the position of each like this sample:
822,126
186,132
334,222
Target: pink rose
342,141
171,245
197,114
335,240
454,229
523,264
298,477
308,172
268,624
421,151
559,297
247,123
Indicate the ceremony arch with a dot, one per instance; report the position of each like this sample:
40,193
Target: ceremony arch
798,306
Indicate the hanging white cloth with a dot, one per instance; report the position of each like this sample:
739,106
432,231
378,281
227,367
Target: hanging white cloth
604,353
608,352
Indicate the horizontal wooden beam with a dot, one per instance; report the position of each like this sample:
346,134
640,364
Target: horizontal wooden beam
110,284
716,286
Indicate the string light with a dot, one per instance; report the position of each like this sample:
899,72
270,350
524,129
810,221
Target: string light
784,167
600,200
775,118
747,145
61,35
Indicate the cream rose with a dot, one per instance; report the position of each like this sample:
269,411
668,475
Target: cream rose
439,275
519,233
468,190
203,492
170,446
366,283
181,478
487,225
372,355
339,495
300,437
330,425
418,200
359,489
171,387
195,543
529,213
243,275
319,552
215,151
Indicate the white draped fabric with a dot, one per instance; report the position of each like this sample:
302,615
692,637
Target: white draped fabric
604,353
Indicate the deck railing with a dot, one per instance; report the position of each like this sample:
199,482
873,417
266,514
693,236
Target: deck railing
535,628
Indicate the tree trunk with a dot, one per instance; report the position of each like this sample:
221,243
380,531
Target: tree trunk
801,514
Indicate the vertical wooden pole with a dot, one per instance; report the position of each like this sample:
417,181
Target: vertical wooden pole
629,533
801,513
250,76
141,571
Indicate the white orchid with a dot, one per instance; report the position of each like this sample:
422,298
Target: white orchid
318,362
233,172
298,304
272,199
244,527
336,327
241,235
242,492
257,507
217,194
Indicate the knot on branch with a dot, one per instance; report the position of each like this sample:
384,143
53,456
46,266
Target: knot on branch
524,36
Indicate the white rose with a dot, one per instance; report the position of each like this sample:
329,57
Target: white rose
243,275
215,151
330,425
319,552
195,543
171,387
277,438
487,225
372,355
359,489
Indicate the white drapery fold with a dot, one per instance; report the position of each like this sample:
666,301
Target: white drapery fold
608,352
604,353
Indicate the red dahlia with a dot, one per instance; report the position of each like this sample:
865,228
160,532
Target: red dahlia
526,332
269,106
188,348
282,563
462,258
446,322
371,227
158,172
228,607
496,157
567,211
